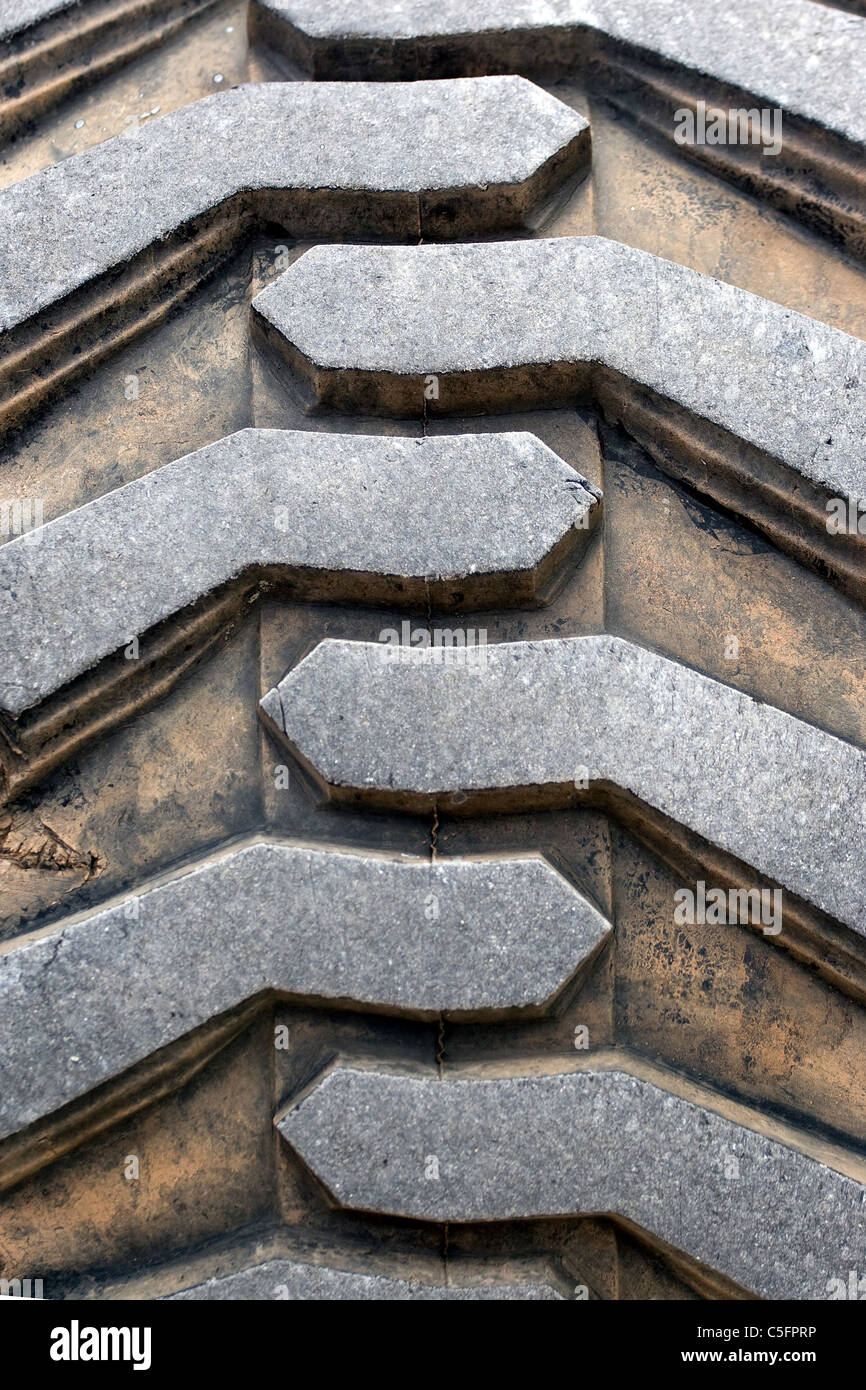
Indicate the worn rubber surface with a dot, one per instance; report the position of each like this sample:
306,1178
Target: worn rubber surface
432,676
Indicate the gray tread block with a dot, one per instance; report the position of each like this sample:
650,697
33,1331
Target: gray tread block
84,1000
790,54
16,15
757,406
786,384
292,1280
329,512
470,139
775,792
767,1216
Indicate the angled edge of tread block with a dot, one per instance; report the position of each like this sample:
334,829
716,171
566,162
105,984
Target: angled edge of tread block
85,1000
337,518
315,517
79,276
791,62
757,407
763,1207
556,722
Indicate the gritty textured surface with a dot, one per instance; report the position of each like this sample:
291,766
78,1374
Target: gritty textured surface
64,227
80,1004
585,1142
791,54
20,14
782,382
268,498
775,792
287,1279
